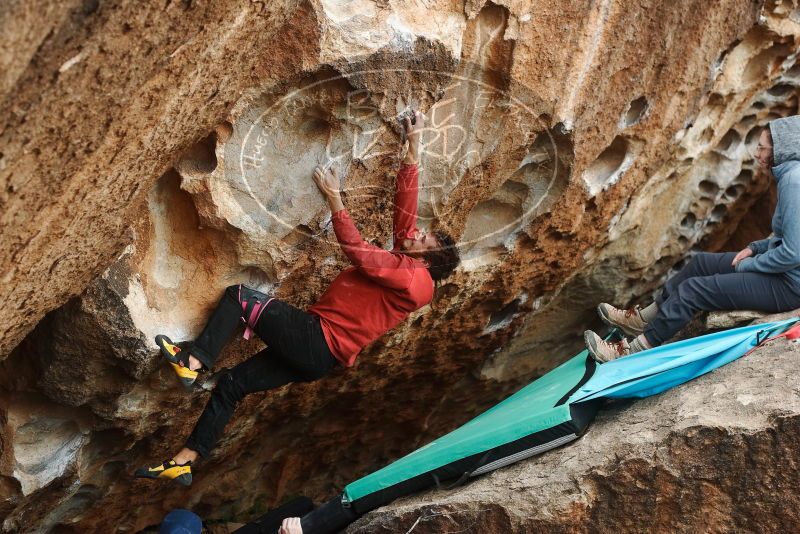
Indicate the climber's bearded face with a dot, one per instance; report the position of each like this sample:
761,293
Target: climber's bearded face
764,149
421,243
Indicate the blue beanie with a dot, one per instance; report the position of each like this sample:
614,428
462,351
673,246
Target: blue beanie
181,522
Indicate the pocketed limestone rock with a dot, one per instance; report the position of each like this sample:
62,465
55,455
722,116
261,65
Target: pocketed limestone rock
723,320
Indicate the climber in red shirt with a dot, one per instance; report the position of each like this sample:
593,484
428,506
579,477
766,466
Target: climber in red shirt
365,301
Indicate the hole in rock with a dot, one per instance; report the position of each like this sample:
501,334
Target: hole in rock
299,234
734,191
724,54
200,158
707,135
744,177
111,470
689,220
763,64
784,8
492,219
751,139
716,100
316,123
718,213
636,110
781,90
257,277
503,316
547,167
605,169
512,192
748,121
104,443
708,188
224,131
729,140
680,264
793,73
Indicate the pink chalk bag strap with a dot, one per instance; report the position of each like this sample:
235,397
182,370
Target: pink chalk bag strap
253,304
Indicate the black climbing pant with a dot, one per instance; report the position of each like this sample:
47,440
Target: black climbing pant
296,352
709,283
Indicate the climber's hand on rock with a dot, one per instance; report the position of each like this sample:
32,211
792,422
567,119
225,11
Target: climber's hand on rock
414,128
327,181
744,253
413,134
291,525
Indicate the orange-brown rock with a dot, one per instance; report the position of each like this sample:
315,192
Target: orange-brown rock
152,154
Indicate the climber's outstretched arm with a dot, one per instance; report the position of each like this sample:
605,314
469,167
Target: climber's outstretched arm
328,184
407,188
388,269
414,134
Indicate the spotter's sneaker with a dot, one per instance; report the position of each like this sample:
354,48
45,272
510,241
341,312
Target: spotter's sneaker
178,360
629,321
604,351
168,470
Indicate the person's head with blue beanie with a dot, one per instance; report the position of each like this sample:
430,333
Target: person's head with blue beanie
181,522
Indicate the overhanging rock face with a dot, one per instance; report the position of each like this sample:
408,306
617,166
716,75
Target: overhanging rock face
719,454
151,155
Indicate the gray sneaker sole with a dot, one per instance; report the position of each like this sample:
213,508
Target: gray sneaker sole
607,319
591,345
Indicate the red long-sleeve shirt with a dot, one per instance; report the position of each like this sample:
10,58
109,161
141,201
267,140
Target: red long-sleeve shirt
382,287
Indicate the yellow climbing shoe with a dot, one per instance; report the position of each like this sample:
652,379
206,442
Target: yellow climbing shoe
179,360
168,470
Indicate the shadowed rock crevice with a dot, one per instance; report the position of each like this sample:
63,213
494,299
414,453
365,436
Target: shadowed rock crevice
200,158
606,169
637,110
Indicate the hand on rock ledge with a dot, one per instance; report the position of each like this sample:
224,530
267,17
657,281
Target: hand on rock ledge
413,134
327,181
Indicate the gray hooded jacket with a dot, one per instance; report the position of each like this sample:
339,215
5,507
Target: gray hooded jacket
781,252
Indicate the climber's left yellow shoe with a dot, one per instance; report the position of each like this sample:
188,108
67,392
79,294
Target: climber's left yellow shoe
178,360
168,470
